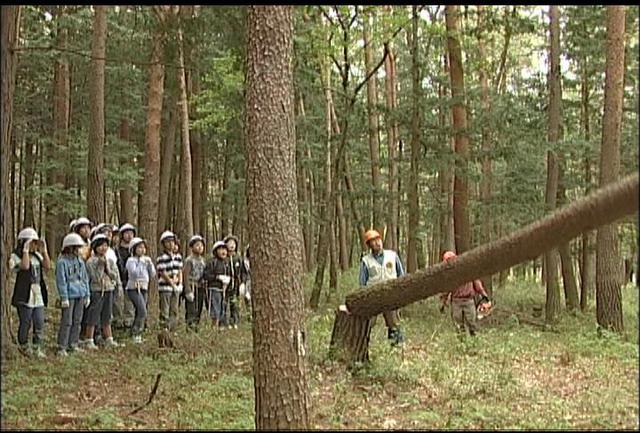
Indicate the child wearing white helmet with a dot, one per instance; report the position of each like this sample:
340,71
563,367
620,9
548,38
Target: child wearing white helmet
169,266
28,261
195,289
124,313
140,270
104,279
72,282
238,280
217,275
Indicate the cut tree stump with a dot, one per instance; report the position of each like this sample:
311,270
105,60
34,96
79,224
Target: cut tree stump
350,337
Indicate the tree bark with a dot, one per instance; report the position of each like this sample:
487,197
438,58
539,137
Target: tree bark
377,201
148,209
126,194
29,177
566,261
485,183
391,239
281,400
460,187
445,178
602,207
166,162
10,33
414,205
95,157
608,275
197,163
56,224
186,190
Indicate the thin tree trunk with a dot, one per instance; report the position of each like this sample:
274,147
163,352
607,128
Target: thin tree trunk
608,275
568,275
95,157
166,162
10,34
186,206
377,201
29,178
225,200
197,165
486,181
391,240
460,188
126,193
342,229
552,306
445,178
278,333
55,225
414,205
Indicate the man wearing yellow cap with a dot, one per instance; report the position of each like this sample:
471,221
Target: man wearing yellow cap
378,266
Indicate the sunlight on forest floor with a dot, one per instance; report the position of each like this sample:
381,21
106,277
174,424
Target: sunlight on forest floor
513,375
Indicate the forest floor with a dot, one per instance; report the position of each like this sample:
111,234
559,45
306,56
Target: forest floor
513,375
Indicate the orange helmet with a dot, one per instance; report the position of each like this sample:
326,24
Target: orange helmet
371,234
448,255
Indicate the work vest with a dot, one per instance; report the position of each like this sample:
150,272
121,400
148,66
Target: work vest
378,272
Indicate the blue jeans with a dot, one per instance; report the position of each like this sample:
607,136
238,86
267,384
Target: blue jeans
28,316
216,306
69,331
139,300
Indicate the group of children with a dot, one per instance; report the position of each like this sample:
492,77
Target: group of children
92,279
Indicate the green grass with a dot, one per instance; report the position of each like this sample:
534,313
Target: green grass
511,376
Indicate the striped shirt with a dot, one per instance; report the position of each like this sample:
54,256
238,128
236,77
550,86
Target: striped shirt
172,265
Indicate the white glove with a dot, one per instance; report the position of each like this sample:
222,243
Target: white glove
225,279
242,289
64,304
190,297
87,301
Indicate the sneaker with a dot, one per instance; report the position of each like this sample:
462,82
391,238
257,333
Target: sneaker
75,348
235,326
62,353
40,353
137,339
110,342
90,345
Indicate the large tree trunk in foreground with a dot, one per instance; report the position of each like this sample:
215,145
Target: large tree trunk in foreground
602,207
10,31
95,156
608,269
278,326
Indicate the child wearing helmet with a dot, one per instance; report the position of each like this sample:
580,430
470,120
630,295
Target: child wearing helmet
217,276
28,261
124,313
169,267
463,306
140,271
238,279
194,290
72,282
104,279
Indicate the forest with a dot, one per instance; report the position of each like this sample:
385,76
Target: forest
504,135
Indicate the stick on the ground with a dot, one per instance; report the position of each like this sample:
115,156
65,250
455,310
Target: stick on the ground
153,394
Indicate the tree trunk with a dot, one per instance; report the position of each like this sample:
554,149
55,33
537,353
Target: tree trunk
460,187
414,205
281,400
342,229
197,163
126,193
56,224
29,178
186,205
150,193
166,161
602,207
10,34
225,199
485,183
95,157
608,276
568,275
377,201
552,306
391,239
447,237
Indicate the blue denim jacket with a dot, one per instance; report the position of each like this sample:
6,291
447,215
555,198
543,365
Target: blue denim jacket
72,279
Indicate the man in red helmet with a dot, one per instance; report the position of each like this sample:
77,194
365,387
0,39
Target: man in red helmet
377,266
463,306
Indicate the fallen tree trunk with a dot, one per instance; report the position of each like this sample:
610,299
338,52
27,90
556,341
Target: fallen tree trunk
601,207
